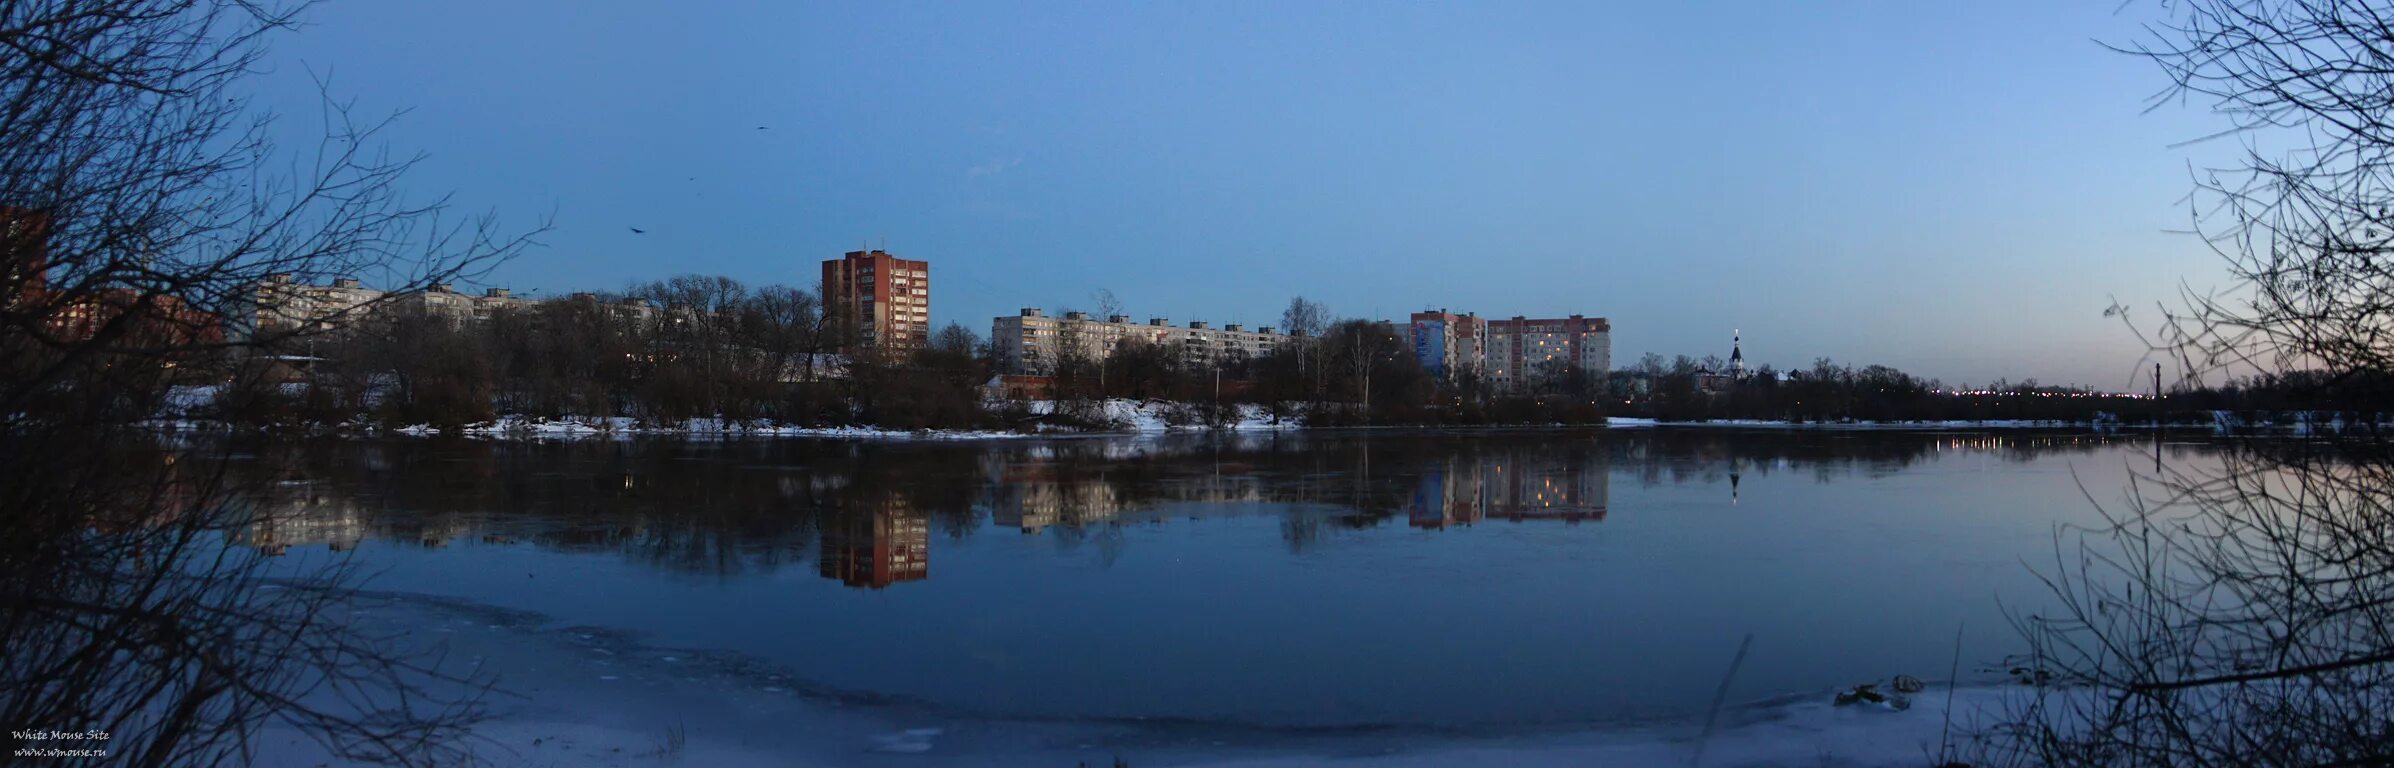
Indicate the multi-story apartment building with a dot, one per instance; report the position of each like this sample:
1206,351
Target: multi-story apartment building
886,300
1522,348
151,319
284,304
1446,343
24,254
1032,341
443,301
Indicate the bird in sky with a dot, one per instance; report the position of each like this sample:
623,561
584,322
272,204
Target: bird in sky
762,127
638,231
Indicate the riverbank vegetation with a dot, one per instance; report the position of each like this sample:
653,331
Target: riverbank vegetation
710,347
2237,616
140,198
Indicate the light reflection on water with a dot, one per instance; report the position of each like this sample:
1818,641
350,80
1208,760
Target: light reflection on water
1434,579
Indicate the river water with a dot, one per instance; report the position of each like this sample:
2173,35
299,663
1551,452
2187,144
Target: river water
1333,580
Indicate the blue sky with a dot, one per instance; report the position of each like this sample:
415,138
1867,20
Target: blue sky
1956,189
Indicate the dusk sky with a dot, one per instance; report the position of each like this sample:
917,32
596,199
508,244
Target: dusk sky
1958,191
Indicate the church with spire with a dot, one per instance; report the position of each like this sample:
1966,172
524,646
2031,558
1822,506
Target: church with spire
1737,355
1733,373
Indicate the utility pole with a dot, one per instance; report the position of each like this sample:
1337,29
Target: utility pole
2157,395
2157,418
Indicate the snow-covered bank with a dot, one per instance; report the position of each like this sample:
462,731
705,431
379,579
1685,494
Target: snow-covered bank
1152,416
194,408
2220,422
627,427
581,695
1112,416
1874,425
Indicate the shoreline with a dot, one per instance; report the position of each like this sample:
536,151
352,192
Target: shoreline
629,428
1156,417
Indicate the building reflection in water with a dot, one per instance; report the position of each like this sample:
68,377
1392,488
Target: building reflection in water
1032,497
874,549
339,524
1466,489
305,518
753,508
1733,477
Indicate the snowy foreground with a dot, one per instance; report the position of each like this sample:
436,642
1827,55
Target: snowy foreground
596,697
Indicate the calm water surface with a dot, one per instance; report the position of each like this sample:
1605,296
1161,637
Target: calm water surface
1291,580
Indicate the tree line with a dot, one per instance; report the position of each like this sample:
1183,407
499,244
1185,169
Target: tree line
692,346
141,195
698,346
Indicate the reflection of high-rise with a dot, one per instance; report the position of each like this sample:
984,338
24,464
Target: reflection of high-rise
1549,487
890,544
1465,488
1032,497
1035,500
1450,493
307,518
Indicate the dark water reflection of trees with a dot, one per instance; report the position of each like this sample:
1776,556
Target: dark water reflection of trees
866,513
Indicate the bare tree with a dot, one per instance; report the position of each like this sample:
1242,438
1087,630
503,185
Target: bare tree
702,368
142,207
1307,321
2240,615
1078,366
786,325
1108,308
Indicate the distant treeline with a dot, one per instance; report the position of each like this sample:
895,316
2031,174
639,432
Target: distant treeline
1687,390
688,347
705,347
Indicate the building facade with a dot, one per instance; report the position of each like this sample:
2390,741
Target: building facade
886,300
1031,342
1520,349
283,304
24,254
150,320
1447,343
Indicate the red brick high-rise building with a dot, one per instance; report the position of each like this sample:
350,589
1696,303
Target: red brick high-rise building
24,254
885,300
79,313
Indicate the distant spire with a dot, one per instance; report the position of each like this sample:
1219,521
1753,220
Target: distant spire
1732,479
1737,354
